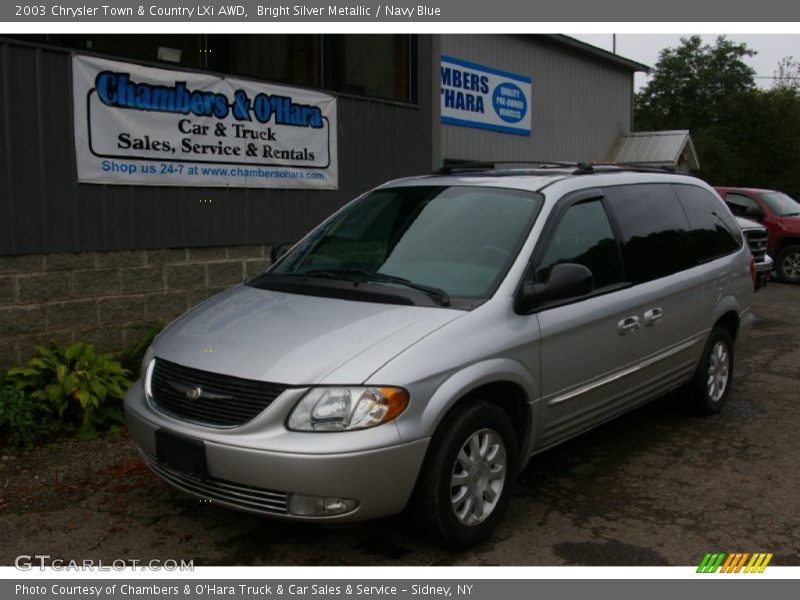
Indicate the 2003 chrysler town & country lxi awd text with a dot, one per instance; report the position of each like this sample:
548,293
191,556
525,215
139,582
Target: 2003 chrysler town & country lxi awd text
433,334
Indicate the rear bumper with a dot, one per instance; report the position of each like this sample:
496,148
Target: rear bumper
263,480
764,270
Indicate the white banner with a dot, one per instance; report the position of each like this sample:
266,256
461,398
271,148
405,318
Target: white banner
474,95
146,126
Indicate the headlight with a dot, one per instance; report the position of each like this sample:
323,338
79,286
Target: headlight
146,372
347,408
148,356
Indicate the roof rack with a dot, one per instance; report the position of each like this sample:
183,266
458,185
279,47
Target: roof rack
468,166
627,166
579,168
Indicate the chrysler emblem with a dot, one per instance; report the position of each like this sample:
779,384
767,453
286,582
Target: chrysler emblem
195,392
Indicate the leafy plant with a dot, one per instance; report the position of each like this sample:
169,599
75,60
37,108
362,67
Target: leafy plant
28,422
81,386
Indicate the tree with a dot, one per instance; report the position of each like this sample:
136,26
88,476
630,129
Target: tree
709,91
774,140
694,85
788,74
744,136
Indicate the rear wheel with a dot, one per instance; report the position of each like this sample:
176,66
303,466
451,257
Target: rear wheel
708,391
788,264
466,479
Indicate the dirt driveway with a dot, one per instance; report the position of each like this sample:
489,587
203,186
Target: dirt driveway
656,487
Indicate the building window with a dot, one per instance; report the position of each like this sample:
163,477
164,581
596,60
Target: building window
184,50
376,66
291,59
370,65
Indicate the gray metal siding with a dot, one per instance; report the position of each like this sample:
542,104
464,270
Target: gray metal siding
579,104
43,209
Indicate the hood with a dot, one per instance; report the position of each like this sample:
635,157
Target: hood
293,339
748,223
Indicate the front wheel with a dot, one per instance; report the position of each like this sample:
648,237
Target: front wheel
709,389
788,264
466,480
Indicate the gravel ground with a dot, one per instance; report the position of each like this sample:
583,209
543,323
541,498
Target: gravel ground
655,487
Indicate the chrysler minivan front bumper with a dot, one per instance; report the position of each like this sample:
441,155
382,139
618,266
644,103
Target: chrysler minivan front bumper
272,471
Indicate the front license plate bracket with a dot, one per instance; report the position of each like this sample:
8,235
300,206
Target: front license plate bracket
181,453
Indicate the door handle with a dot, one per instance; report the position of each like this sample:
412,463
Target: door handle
652,316
628,325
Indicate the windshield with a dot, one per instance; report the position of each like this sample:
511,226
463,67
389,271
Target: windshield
781,205
459,240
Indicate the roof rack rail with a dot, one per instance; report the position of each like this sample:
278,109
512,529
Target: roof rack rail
580,168
455,167
623,166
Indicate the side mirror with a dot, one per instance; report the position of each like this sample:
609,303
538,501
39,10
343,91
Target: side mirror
567,280
278,250
755,212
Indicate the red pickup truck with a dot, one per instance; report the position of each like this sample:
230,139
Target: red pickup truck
780,214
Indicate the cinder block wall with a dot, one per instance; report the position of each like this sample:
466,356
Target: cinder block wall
109,298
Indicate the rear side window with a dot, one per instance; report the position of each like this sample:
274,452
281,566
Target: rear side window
714,231
654,230
584,236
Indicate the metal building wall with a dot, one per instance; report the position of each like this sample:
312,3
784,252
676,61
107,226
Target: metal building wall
579,104
43,209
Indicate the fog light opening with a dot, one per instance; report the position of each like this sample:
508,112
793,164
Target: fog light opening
315,506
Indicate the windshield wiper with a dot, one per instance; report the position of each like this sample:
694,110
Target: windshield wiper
437,294
791,214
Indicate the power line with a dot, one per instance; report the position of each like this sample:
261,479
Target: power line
775,77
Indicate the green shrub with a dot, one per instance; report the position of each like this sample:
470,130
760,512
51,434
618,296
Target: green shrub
27,422
83,388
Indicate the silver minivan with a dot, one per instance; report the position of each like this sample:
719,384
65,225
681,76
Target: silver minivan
431,336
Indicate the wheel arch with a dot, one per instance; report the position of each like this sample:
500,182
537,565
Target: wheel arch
785,243
729,321
502,382
727,314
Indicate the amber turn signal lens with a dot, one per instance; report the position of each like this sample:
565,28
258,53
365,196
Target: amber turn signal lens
397,399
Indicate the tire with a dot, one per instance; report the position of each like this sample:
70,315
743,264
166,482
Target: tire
708,391
453,485
787,264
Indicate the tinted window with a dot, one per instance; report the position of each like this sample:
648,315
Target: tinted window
714,231
739,203
584,236
781,204
654,230
459,239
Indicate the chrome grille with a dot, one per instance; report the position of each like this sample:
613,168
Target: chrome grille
757,240
244,497
209,398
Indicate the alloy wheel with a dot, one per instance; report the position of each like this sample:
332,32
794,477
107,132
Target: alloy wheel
791,265
718,371
478,477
